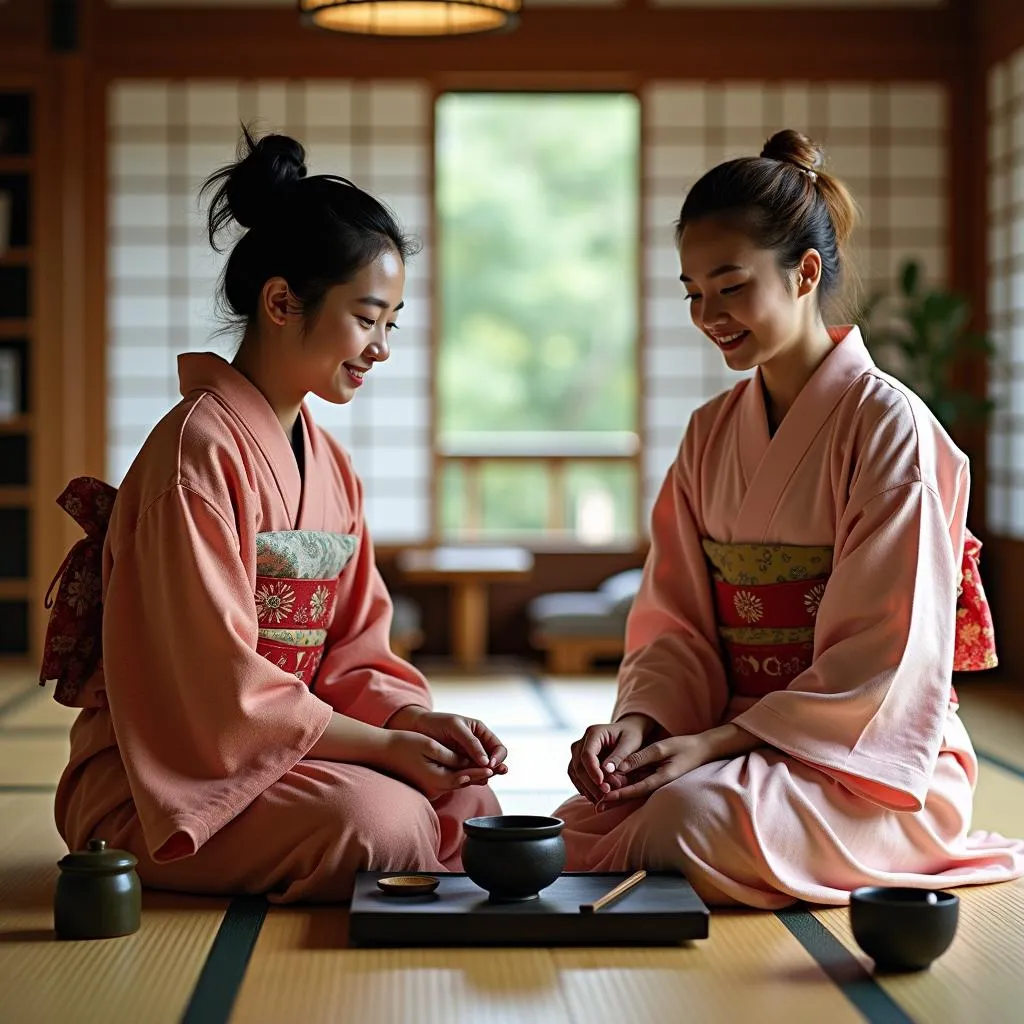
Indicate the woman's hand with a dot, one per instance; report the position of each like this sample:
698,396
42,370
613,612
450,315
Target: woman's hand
641,773
428,765
601,744
655,766
469,738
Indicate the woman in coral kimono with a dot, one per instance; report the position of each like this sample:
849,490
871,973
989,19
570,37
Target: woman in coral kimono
249,729
785,726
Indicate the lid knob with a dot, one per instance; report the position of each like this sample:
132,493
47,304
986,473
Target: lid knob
97,845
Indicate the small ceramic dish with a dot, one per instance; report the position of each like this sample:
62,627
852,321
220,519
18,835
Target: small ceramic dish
903,929
408,885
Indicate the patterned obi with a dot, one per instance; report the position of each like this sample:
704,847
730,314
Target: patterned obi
766,604
766,601
297,575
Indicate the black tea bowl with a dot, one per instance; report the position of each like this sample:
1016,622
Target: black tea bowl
903,929
513,856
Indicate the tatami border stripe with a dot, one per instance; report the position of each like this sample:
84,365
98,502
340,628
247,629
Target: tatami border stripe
843,968
999,762
556,720
217,988
21,697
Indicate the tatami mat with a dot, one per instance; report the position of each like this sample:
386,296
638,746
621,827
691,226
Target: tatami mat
753,968
582,702
511,702
146,977
994,716
299,971
514,801
31,760
40,711
537,761
978,978
999,800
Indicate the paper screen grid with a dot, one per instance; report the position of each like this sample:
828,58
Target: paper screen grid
165,137
1006,296
888,142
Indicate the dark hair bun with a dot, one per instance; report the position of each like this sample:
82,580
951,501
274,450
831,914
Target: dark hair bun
315,232
263,171
795,148
784,200
250,191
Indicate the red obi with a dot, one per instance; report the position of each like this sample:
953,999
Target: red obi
767,632
975,636
769,606
296,586
293,615
302,662
294,604
766,622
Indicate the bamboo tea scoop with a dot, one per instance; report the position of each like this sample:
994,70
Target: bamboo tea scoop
613,894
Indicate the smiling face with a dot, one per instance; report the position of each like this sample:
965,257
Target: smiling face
329,352
741,299
351,330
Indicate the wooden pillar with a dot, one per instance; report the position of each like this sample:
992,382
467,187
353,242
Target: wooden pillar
67,384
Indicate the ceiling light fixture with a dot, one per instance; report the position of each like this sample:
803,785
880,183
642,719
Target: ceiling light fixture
411,17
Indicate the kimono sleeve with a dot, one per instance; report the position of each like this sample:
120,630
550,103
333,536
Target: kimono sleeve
204,723
871,709
360,676
673,669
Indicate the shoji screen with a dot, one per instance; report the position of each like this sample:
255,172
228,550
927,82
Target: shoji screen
887,142
1006,296
165,137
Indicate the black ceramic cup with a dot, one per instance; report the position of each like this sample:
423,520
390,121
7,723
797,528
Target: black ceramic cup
903,929
513,856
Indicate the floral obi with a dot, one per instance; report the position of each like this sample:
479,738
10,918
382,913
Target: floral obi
975,636
766,604
74,634
297,575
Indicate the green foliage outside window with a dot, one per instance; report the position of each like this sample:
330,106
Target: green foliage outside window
538,243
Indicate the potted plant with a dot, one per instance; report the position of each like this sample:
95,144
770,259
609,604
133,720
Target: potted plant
918,336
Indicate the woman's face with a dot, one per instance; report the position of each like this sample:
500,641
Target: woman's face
350,332
740,298
330,352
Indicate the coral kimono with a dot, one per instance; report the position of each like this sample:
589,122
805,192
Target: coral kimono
241,607
804,586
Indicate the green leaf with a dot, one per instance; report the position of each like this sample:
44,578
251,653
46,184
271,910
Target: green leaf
977,343
930,336
909,278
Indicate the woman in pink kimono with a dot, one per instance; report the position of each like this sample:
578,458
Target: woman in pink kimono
785,726
249,729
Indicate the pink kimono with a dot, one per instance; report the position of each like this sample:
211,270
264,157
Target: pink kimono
803,586
241,607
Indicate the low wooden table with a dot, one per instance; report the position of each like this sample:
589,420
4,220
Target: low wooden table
467,571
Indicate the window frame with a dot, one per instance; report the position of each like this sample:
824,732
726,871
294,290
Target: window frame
614,450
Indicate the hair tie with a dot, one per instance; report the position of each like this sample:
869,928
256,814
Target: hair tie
813,175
